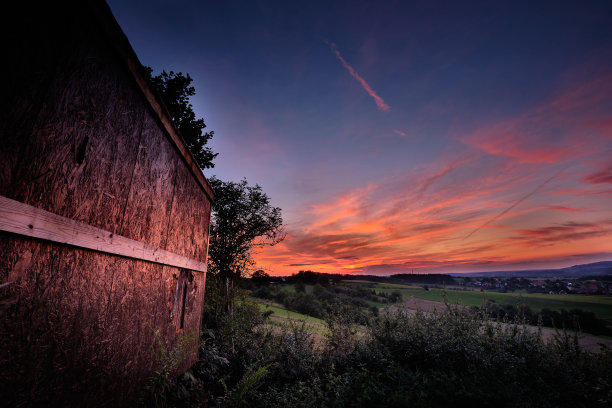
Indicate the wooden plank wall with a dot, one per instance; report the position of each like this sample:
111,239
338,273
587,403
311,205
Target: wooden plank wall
79,140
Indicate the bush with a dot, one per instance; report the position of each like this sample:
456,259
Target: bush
444,359
454,358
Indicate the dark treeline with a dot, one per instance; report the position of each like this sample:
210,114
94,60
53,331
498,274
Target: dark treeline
311,278
430,278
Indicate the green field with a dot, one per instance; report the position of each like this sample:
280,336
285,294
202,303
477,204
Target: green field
600,305
279,311
281,316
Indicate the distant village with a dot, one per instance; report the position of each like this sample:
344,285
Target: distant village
594,286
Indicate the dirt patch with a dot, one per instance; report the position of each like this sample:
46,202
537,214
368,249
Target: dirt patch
429,306
586,341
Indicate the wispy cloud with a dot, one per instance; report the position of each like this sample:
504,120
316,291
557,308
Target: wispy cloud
572,124
379,101
399,132
568,231
517,202
563,208
600,177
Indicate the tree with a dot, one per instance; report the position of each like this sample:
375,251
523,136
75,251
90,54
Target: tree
260,277
242,219
175,90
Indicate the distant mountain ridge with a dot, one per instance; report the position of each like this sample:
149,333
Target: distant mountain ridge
592,269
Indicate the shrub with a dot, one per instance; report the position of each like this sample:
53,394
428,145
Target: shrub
398,359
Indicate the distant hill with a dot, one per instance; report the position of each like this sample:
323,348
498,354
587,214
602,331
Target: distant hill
576,271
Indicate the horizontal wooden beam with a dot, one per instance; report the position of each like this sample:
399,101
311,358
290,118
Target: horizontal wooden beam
24,219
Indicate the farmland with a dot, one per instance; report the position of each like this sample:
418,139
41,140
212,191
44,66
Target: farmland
367,298
598,304
316,341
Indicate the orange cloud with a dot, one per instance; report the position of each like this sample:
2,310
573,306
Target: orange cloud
419,221
508,196
506,140
379,101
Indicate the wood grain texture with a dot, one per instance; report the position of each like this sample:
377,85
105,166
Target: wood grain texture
189,222
124,50
79,158
23,219
152,187
91,167
99,329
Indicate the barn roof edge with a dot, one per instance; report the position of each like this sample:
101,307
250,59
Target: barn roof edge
112,30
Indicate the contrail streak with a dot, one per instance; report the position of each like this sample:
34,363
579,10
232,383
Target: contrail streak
498,216
379,101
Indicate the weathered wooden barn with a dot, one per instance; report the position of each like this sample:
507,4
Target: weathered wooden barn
104,214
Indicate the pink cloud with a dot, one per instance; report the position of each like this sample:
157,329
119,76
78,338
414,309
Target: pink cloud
507,140
562,208
603,176
571,125
590,93
569,231
379,101
399,132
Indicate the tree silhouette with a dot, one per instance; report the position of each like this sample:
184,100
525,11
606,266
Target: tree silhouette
242,219
175,90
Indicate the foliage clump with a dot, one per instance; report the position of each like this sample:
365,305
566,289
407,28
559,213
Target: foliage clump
402,358
175,89
242,219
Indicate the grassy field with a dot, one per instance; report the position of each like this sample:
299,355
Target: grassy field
282,316
600,305
279,311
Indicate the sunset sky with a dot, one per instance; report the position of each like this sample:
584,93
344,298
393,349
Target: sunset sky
434,136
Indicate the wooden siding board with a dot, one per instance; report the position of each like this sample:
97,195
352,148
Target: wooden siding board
103,328
89,113
132,309
193,310
188,228
170,329
152,187
122,47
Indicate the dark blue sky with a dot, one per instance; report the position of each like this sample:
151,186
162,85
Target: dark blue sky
390,131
